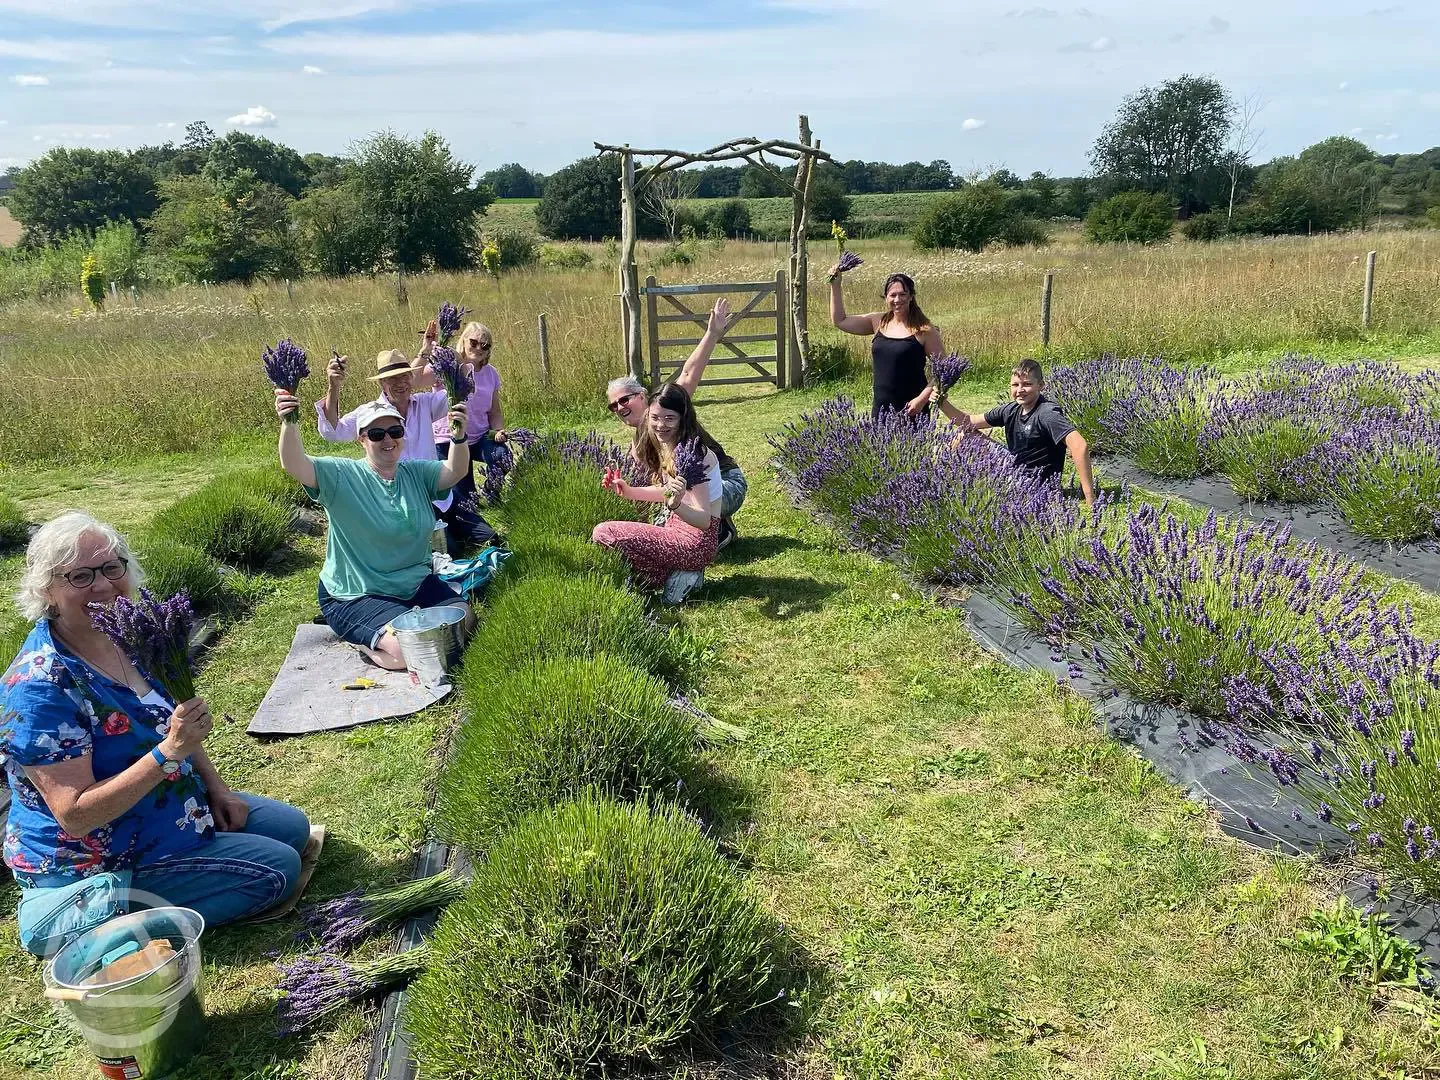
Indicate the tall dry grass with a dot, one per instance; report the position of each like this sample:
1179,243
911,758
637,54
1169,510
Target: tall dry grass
181,370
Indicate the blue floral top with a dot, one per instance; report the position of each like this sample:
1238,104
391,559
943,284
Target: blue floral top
53,707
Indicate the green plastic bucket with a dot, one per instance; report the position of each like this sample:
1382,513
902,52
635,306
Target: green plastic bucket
145,1026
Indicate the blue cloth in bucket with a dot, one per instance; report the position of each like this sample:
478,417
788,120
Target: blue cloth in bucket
470,575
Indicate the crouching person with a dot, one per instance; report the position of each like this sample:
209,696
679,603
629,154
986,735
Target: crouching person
114,803
377,550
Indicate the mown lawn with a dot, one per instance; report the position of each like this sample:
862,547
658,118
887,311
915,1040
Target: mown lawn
985,885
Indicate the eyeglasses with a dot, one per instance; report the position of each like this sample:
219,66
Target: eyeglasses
377,434
82,577
475,343
621,400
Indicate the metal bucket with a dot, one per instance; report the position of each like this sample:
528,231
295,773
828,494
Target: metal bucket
147,1025
427,639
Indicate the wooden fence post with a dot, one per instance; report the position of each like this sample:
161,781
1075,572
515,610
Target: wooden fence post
289,295
785,359
1045,309
114,292
134,298
544,350
651,310
629,279
1369,290
402,295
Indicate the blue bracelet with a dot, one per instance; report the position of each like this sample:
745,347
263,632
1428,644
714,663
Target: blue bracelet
159,756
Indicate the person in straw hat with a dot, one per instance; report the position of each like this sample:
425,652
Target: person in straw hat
419,410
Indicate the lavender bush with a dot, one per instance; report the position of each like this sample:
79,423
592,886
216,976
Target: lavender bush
1382,475
155,635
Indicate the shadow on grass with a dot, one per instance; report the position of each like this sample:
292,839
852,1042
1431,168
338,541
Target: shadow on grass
747,549
781,597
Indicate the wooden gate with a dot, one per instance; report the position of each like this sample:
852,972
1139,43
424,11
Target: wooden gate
768,364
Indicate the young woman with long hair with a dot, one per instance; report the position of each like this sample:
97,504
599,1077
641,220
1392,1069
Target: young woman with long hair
672,556
901,338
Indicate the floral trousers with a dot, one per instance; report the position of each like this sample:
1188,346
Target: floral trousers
656,551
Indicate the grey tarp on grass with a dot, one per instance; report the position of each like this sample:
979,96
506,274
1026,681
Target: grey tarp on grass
306,694
1207,772
1417,562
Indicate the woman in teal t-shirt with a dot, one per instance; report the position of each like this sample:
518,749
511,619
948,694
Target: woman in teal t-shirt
377,555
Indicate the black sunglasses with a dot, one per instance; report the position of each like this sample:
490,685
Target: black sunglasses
376,434
82,577
622,399
478,343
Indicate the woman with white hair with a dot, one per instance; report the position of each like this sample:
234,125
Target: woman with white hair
115,804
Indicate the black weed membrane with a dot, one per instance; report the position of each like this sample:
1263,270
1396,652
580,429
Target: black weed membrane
1417,563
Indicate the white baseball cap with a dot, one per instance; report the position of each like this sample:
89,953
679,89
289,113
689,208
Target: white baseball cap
372,411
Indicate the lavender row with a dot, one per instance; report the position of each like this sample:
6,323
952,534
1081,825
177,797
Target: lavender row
1232,621
1362,437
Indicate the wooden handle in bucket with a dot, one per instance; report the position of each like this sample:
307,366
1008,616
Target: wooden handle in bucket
66,993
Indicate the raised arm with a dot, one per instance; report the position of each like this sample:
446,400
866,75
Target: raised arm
457,465
328,408
862,325
293,458
694,368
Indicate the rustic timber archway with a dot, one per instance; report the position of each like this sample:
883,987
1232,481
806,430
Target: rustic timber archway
804,153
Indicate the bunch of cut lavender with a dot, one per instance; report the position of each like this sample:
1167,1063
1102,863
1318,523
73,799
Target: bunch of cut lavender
944,373
522,437
496,470
343,922
318,985
285,367
688,459
155,635
848,261
458,382
448,320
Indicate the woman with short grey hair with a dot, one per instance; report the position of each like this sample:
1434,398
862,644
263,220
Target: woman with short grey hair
115,804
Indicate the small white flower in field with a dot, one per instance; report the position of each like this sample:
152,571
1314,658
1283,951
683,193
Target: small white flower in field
894,596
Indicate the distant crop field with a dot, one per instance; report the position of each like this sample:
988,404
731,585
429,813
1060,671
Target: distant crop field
9,229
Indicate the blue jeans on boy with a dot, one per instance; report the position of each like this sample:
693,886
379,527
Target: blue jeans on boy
235,875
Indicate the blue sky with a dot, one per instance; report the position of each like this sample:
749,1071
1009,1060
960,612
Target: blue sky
1018,83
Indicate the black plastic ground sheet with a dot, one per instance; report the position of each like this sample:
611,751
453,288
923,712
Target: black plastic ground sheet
1418,562
1251,805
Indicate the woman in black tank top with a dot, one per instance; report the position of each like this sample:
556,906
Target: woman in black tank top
902,339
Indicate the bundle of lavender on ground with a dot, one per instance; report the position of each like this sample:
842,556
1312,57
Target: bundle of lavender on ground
848,261
447,321
944,373
320,984
155,635
285,367
341,923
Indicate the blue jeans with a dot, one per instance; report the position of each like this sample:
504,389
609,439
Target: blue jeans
233,876
486,449
362,620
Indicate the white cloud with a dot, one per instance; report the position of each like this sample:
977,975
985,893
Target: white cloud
255,116
167,124
1344,86
311,69
47,49
29,80
1099,45
971,124
1217,25
1356,131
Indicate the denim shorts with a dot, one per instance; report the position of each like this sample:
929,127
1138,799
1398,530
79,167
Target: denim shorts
363,619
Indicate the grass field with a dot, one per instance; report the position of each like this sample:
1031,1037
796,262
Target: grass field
180,371
986,886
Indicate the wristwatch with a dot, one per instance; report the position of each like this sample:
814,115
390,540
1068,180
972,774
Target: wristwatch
168,767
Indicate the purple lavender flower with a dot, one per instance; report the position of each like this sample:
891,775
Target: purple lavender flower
318,985
155,635
496,470
448,319
343,922
690,463
1324,813
285,367
945,372
522,437
1407,742
1412,849
1375,840
459,384
848,261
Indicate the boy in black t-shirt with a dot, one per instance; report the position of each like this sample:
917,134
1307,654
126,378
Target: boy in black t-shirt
1037,432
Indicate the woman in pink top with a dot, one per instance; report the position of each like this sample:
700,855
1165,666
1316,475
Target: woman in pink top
484,422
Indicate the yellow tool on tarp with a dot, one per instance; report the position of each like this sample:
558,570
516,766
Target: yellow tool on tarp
361,683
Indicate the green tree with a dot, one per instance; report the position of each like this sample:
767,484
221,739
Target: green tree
232,231
828,202
513,181
582,200
1137,217
758,183
325,171
972,217
270,162
420,199
1169,140
70,189
336,234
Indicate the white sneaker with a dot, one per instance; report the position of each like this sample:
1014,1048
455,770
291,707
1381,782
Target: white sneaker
681,584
